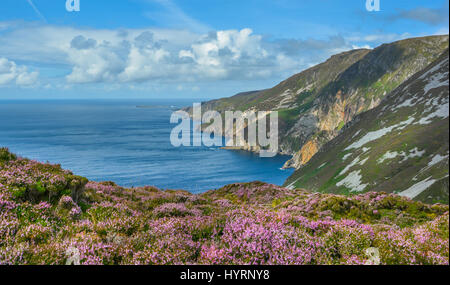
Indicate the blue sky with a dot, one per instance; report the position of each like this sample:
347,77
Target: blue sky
191,48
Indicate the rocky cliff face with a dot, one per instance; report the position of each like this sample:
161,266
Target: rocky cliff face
315,104
401,146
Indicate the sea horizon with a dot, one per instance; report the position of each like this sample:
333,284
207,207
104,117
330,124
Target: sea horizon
115,140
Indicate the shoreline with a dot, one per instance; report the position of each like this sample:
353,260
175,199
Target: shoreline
240,148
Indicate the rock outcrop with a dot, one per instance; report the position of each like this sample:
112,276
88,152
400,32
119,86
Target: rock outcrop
401,146
317,103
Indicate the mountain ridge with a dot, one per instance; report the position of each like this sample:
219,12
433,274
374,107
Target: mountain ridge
401,146
315,104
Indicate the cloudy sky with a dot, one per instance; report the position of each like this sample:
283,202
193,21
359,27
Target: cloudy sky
188,48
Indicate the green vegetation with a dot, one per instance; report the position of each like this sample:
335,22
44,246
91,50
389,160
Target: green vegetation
406,154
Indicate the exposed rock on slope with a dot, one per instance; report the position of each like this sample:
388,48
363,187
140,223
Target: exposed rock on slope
315,104
401,146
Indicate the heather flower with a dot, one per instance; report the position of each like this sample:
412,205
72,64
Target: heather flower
172,209
41,218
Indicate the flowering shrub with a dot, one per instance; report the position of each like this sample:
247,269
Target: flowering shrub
172,210
45,211
34,182
68,208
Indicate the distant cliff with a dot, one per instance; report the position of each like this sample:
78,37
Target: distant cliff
315,104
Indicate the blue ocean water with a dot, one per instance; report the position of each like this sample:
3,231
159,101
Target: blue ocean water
118,141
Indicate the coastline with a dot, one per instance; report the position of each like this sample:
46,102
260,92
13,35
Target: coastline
251,149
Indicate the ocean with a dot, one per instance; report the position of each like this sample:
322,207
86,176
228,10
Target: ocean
124,142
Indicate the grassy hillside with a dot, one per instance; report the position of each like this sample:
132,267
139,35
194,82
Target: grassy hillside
401,146
315,104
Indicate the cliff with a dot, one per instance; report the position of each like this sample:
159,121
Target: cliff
401,146
315,104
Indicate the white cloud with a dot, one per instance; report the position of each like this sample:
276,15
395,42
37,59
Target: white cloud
231,54
161,56
425,15
361,47
379,38
442,31
13,74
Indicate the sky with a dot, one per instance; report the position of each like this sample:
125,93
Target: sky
155,49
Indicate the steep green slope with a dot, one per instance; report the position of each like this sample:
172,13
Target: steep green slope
315,104
401,146
283,94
